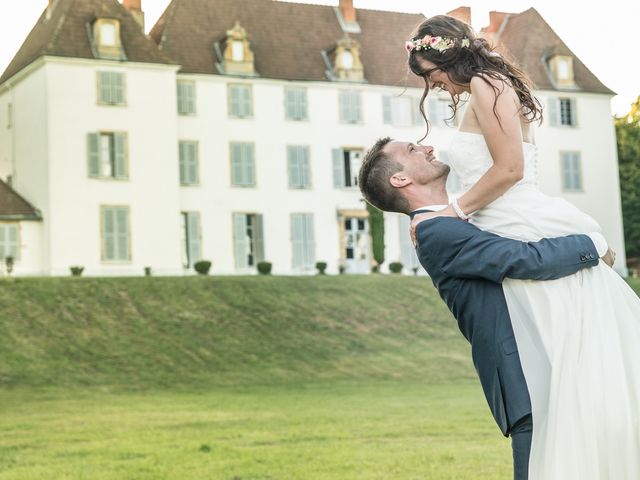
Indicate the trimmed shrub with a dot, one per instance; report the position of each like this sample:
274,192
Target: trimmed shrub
395,267
264,268
321,267
8,264
76,270
202,267
147,271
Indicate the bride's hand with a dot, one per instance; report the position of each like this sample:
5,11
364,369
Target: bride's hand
421,217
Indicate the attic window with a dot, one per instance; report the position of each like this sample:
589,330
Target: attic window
237,56
561,68
106,39
346,61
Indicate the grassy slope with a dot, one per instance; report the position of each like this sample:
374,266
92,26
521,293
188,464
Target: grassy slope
155,332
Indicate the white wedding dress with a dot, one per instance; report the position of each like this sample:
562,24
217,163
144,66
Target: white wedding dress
578,337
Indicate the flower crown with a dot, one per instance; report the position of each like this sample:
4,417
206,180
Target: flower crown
437,43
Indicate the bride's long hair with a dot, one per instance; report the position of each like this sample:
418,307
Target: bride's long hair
465,60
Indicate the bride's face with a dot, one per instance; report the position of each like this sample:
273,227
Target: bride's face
437,78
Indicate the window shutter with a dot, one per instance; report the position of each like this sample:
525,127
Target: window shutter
566,171
180,97
338,168
117,84
574,113
554,111
297,240
104,80
357,107
240,239
120,146
182,161
190,98
108,231
305,174
246,101
295,180
249,165
93,154
259,238
192,165
386,110
234,101
302,104
122,233
193,224
309,241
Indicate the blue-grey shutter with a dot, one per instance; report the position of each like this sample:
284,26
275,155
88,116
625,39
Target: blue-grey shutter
577,172
248,164
566,171
93,154
386,110
120,146
297,240
305,174
574,112
309,241
192,165
190,98
104,87
258,233
182,160
241,245
293,161
357,104
108,232
554,111
236,164
180,97
194,232
117,85
246,101
234,101
338,168
122,233
302,104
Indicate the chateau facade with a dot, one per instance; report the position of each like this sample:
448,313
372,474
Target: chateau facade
234,131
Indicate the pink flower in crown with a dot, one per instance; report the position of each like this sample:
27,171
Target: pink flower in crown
427,39
434,40
408,46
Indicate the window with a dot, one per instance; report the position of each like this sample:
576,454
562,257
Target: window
302,241
107,152
346,163
240,101
248,239
408,256
188,153
298,166
242,165
438,112
563,112
108,34
9,246
571,172
186,98
111,88
237,51
350,111
295,100
191,238
115,234
397,111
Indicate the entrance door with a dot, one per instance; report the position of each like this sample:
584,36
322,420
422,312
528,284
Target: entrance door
356,245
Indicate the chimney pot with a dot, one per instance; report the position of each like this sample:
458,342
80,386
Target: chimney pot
135,7
347,11
496,19
461,13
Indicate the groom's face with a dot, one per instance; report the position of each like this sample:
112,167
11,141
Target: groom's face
419,164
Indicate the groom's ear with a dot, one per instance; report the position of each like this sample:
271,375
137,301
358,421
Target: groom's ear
399,179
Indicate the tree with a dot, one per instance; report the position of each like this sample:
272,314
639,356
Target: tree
628,139
376,230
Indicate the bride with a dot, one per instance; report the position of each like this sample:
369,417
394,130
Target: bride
581,359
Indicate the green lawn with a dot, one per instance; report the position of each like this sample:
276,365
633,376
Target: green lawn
350,431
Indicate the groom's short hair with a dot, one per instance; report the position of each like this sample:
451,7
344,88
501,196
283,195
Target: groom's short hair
376,170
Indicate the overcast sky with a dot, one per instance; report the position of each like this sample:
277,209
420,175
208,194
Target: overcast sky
604,35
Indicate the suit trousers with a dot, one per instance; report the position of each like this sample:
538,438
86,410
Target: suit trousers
521,446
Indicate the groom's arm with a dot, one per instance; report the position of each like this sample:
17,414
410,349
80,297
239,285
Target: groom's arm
464,251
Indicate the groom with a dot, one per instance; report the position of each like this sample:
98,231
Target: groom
467,266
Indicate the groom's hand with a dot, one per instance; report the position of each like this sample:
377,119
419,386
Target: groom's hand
609,257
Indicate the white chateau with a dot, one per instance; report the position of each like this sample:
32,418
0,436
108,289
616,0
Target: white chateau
234,132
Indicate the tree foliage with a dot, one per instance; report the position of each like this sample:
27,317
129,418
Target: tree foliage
628,139
376,229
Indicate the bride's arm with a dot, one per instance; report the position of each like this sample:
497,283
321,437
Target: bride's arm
504,139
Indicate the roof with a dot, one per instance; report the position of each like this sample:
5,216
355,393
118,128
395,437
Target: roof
14,207
530,40
287,38
65,34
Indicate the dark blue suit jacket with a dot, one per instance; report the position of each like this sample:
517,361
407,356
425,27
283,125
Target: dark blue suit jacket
467,266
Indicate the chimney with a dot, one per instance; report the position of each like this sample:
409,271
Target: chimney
496,19
135,8
347,11
461,13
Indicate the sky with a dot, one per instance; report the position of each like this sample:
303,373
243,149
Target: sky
604,35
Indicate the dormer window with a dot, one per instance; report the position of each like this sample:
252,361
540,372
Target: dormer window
346,61
106,39
561,69
236,54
